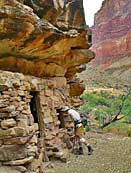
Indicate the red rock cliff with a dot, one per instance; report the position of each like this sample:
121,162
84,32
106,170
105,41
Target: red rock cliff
112,32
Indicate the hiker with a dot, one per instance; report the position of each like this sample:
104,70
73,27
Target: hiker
79,129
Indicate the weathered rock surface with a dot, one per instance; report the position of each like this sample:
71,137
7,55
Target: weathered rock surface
111,32
34,41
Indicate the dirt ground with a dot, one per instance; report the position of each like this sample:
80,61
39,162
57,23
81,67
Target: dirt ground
112,154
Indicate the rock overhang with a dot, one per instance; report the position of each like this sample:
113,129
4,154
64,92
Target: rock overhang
35,46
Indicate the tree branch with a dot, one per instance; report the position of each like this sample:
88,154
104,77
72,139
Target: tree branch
119,112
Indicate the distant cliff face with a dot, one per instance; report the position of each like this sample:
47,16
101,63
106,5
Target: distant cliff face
111,37
112,32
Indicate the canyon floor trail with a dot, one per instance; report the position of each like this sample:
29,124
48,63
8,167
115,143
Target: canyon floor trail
112,154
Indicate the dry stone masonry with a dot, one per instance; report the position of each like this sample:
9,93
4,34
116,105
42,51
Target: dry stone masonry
43,44
29,121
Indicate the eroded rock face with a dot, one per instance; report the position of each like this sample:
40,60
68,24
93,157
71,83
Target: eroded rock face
111,32
43,38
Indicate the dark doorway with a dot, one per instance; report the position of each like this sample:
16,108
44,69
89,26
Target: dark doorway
36,111
90,38
34,108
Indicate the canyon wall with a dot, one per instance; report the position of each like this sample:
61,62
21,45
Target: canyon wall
112,32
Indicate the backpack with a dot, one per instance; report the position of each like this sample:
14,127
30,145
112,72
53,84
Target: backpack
84,121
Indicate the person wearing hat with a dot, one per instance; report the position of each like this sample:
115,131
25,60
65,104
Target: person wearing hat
79,128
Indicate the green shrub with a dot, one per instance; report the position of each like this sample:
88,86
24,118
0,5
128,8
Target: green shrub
104,105
119,128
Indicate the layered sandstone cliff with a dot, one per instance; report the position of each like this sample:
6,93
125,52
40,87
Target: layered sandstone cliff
112,32
43,38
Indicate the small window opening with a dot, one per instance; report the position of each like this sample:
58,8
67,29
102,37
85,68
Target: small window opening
23,98
1,93
76,47
90,38
60,118
33,107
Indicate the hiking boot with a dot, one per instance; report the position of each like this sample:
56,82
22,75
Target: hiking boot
90,150
81,151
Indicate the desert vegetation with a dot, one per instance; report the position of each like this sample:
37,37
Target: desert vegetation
109,108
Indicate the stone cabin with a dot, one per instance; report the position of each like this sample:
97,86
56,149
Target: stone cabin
43,45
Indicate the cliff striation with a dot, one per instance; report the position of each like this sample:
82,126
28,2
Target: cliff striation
111,37
112,32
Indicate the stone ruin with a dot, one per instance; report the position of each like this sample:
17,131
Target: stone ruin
43,45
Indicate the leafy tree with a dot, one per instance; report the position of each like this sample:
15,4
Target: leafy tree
107,107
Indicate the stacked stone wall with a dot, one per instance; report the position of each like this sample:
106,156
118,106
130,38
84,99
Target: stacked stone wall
24,143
